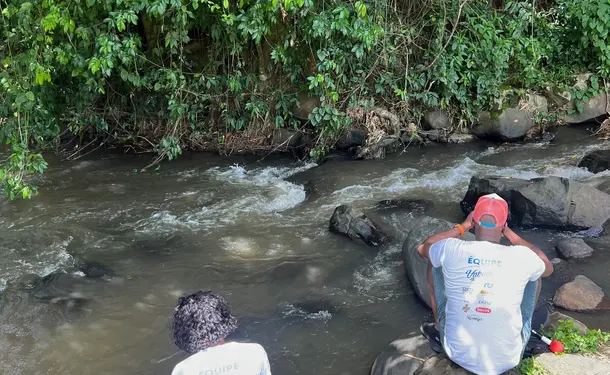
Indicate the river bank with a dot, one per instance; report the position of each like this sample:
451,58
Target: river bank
256,232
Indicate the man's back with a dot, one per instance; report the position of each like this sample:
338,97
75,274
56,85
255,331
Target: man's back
484,284
227,359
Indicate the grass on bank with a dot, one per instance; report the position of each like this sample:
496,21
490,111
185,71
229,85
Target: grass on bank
573,341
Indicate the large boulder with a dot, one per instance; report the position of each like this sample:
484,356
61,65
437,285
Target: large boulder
574,248
354,224
596,161
416,267
436,120
403,356
442,365
512,123
592,109
581,294
549,202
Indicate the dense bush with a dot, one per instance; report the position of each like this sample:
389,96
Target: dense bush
165,75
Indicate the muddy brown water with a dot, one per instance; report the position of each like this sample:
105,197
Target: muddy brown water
319,303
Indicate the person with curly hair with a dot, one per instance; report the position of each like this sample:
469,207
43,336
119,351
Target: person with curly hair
202,322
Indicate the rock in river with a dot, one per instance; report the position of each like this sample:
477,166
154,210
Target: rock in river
596,161
403,356
509,124
550,202
355,225
574,248
581,294
442,365
416,268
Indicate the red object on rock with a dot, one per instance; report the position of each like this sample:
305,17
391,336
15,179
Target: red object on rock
556,347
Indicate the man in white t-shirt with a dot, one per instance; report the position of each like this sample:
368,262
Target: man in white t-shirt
201,323
483,293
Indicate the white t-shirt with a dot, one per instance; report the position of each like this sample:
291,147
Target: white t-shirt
232,358
484,284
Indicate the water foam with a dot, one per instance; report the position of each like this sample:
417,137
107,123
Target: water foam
256,191
41,262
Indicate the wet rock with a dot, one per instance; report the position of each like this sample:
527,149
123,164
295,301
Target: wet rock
436,120
353,138
403,356
574,248
596,161
94,269
549,202
417,206
554,319
416,267
441,365
581,294
62,290
512,123
355,225
314,306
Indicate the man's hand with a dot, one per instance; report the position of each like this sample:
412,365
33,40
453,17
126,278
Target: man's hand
467,224
516,240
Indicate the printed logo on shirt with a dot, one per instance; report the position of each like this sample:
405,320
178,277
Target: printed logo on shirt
473,317
484,262
484,302
485,292
466,308
221,370
488,285
483,310
467,289
472,275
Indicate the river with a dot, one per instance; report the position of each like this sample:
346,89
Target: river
247,229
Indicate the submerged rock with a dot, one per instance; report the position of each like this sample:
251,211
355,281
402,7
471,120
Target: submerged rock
416,267
551,202
354,224
403,356
574,248
94,269
418,206
596,161
581,294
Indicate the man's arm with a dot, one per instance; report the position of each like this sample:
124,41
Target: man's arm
424,248
516,240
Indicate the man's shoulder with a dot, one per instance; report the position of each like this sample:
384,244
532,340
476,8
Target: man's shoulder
246,347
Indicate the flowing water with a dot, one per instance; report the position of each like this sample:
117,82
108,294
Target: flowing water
256,232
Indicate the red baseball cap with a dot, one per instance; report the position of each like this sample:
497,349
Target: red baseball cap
492,205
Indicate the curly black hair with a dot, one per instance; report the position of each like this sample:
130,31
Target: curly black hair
201,320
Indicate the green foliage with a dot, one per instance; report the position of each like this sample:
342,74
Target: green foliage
167,75
574,342
530,367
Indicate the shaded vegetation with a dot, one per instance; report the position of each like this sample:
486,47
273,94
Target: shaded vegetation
220,75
